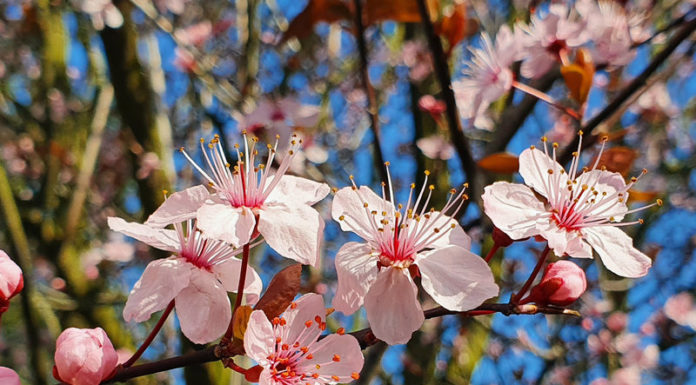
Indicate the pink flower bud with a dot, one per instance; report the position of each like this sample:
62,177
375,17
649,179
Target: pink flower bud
84,356
11,280
563,283
8,376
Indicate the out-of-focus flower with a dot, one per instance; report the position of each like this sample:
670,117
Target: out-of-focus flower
196,34
184,60
280,117
197,277
680,309
84,356
416,56
289,351
102,12
655,104
617,321
250,198
607,25
488,75
8,376
435,147
11,281
579,212
562,284
402,241
432,106
548,39
149,162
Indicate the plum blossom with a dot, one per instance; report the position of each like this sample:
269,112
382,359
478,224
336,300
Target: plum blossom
488,75
84,356
102,12
401,241
280,117
8,376
435,147
198,275
562,284
290,352
608,27
580,211
249,200
11,281
547,40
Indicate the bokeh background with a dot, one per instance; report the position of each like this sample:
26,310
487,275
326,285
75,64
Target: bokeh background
96,97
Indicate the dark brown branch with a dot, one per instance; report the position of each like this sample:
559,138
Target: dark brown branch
632,87
443,76
372,107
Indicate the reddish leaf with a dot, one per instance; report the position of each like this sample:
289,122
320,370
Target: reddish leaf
316,11
405,11
453,27
618,159
281,291
578,76
253,374
500,163
642,196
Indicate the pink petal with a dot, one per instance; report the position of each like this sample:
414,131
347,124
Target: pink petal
356,267
179,207
456,278
349,204
609,182
617,251
84,356
8,376
454,236
302,115
293,190
226,223
513,208
259,342
561,241
392,306
294,231
162,239
227,273
308,308
534,168
346,347
203,308
161,281
10,276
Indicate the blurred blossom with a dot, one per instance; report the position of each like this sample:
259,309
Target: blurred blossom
196,34
58,107
84,356
416,55
102,12
680,309
561,375
184,60
626,376
174,6
149,163
607,25
436,147
599,343
432,106
563,130
655,103
617,321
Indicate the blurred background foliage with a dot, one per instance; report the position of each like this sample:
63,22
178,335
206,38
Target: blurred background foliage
94,104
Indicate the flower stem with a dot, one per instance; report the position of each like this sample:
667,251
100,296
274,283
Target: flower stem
150,337
546,98
492,252
240,290
516,298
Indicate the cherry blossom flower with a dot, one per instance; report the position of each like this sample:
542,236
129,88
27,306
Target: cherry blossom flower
198,275
580,212
102,12
547,40
401,241
8,376
562,284
680,309
249,199
608,27
290,352
435,147
280,117
11,281
84,356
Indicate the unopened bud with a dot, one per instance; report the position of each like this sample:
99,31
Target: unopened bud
11,281
84,356
562,284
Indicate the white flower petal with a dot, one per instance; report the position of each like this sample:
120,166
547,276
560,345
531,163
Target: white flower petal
179,207
392,306
356,268
534,168
162,239
307,308
227,273
294,231
617,251
160,283
226,223
259,342
350,204
513,208
203,308
453,236
294,190
456,278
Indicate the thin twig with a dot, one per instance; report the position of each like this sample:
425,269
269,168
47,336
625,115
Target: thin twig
151,336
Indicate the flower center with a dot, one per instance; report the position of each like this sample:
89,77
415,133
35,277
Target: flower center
556,47
201,252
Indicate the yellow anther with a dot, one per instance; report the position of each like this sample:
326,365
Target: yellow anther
544,139
580,133
555,145
641,221
659,202
431,187
387,164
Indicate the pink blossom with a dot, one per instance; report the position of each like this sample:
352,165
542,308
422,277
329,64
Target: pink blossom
102,12
198,275
196,34
548,39
280,117
174,6
562,284
488,75
400,241
579,211
84,356
11,281
617,321
289,349
432,106
608,27
250,199
680,309
416,56
8,376
435,147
